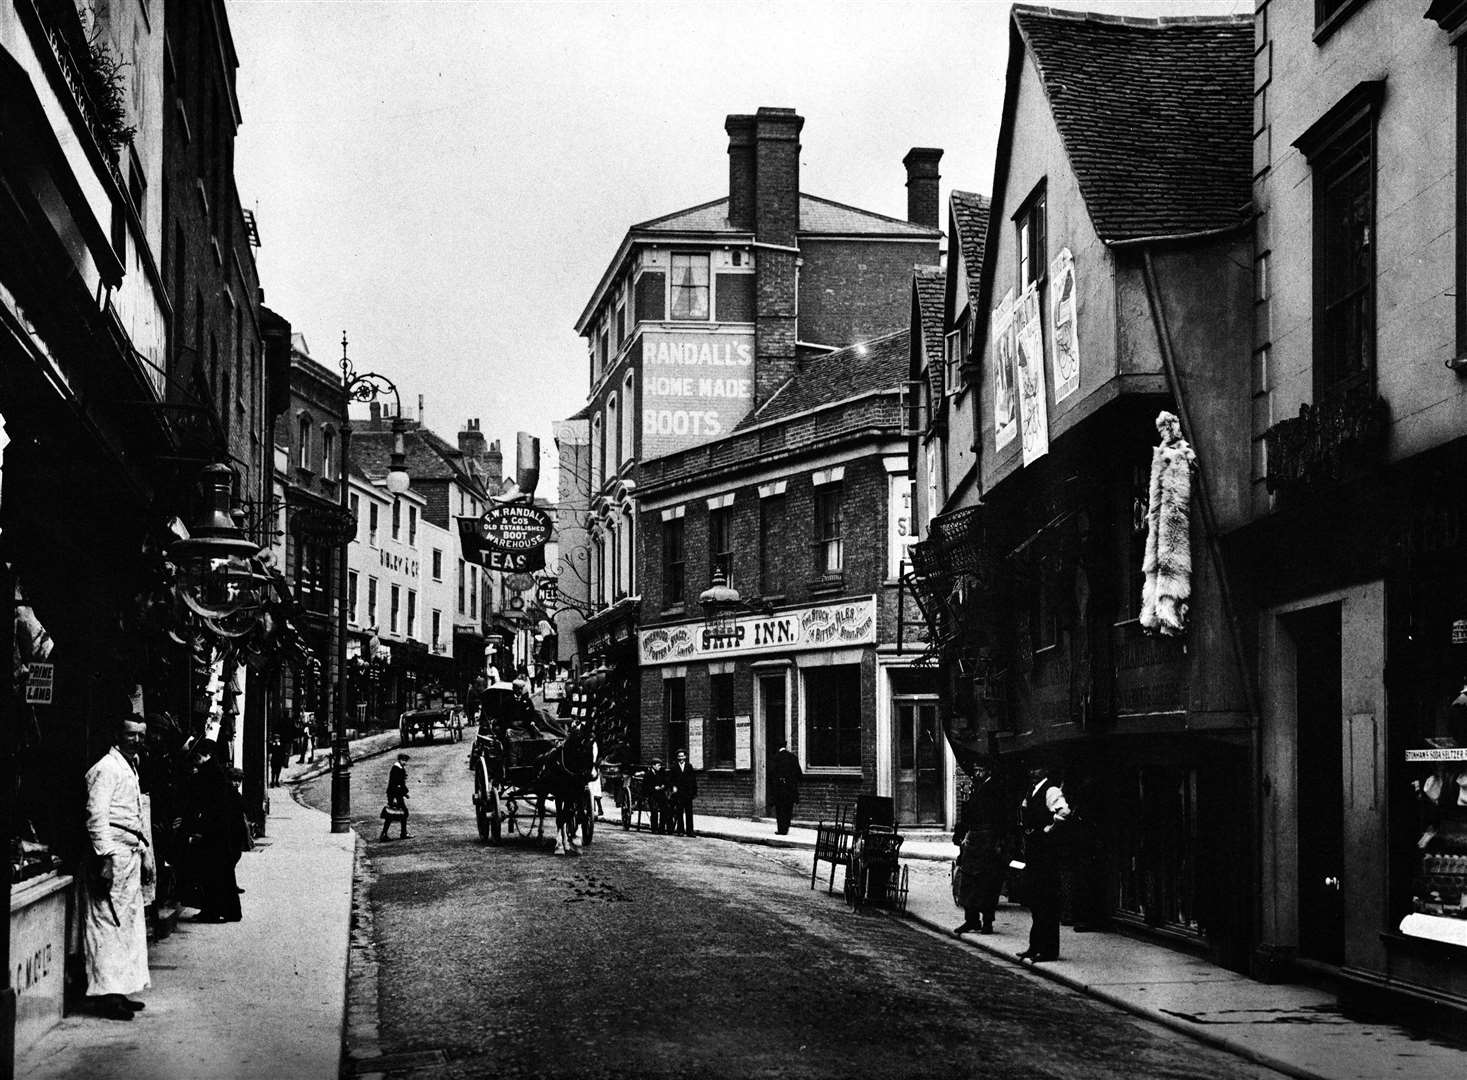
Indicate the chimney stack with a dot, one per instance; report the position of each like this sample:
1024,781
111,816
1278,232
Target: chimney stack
494,467
471,445
376,412
922,181
740,171
777,175
777,223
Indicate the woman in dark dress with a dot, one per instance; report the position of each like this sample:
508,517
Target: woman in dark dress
981,835
215,828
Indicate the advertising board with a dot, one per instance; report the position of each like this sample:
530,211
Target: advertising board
695,388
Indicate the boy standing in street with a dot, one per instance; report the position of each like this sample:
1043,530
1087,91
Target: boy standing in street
397,796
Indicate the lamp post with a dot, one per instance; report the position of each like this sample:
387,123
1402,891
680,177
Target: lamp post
354,387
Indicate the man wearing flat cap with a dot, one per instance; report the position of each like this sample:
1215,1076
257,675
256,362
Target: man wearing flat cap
397,796
114,932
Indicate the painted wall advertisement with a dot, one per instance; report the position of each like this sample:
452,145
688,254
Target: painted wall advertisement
828,626
695,388
1064,331
1029,353
899,527
1005,394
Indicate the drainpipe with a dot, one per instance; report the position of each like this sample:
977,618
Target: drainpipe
1209,520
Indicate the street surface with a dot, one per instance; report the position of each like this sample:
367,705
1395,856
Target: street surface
653,956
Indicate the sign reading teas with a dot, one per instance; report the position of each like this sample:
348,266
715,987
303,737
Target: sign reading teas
695,387
828,626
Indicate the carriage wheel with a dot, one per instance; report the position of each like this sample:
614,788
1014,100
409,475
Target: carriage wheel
587,813
625,802
483,819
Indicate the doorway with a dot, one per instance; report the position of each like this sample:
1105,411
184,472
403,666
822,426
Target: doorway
919,761
1319,783
772,707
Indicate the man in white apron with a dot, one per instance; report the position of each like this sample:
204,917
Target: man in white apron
114,930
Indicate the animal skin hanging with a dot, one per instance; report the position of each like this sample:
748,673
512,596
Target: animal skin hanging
1168,562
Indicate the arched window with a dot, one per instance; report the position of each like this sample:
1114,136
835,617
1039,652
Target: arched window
628,419
328,453
303,441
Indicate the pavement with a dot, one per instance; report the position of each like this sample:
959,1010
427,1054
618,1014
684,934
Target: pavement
266,997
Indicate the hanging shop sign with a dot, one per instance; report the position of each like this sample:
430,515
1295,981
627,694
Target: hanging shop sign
900,536
39,683
1005,380
1029,361
827,626
515,527
511,550
695,387
1064,330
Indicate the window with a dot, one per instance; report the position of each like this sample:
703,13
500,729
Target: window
629,412
1030,242
721,704
675,713
437,628
1329,14
613,435
392,606
689,286
437,564
303,441
396,517
673,583
1341,152
598,454
372,601
833,716
651,299
328,453
356,515
372,524
351,595
720,542
412,613
771,535
828,553
618,327
413,526
953,367
462,579
474,591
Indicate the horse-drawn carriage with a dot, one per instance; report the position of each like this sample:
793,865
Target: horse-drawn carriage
522,759
432,713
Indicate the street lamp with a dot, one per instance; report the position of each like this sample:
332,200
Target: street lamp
367,386
722,605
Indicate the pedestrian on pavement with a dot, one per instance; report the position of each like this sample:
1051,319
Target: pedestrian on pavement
1082,873
306,733
397,797
655,792
786,777
120,868
1042,815
982,857
216,835
279,758
682,784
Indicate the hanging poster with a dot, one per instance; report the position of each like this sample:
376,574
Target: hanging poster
1064,331
1005,398
743,742
695,742
1033,415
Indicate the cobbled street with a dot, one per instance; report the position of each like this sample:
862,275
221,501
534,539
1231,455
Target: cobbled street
670,957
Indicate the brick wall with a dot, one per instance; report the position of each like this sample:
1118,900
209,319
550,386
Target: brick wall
853,291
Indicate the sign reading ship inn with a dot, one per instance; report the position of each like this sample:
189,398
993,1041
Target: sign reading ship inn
829,626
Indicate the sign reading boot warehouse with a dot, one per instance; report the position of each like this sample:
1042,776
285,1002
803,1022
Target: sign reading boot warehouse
695,387
828,626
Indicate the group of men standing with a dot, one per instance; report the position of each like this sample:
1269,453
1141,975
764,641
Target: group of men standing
670,793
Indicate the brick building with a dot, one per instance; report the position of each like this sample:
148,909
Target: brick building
805,507
703,317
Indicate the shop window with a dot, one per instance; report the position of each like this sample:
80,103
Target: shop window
721,704
771,537
675,713
1340,148
674,584
690,286
720,542
833,716
829,555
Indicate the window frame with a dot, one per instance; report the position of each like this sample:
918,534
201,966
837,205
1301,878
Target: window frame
819,685
674,563
720,542
675,717
827,541
676,290
722,688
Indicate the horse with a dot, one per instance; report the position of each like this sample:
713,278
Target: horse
563,773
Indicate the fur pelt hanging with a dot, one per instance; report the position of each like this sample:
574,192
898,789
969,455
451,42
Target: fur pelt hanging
1168,562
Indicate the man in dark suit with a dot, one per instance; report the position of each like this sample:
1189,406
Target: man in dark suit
397,796
1042,813
785,779
682,785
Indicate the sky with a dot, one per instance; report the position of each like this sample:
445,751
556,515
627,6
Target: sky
447,180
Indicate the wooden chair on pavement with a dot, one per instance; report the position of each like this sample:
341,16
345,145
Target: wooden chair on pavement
833,845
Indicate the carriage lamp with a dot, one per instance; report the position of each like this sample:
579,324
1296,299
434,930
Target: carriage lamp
219,574
722,606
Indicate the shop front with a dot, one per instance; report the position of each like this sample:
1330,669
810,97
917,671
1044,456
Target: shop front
803,677
607,642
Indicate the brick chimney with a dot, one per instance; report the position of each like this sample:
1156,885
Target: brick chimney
494,468
922,181
777,223
740,171
471,445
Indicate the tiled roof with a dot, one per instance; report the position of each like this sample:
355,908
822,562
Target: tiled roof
970,218
429,457
1155,115
927,286
817,217
880,364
